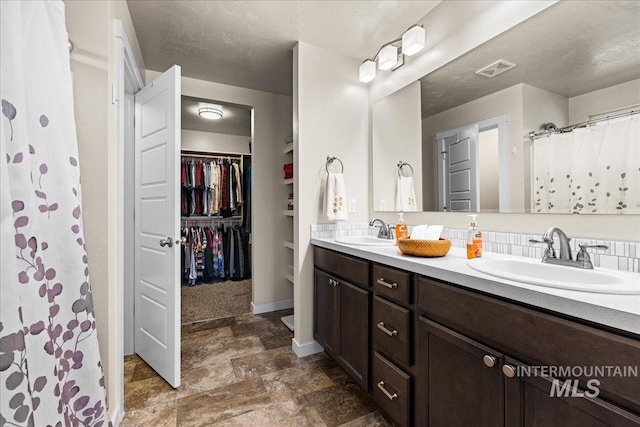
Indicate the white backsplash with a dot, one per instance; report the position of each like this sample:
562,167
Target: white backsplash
620,255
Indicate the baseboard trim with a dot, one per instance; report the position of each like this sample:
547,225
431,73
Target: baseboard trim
267,307
303,350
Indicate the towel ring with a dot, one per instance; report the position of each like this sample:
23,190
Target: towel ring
402,164
330,160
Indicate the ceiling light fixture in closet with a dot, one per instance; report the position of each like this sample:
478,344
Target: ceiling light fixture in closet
211,112
391,55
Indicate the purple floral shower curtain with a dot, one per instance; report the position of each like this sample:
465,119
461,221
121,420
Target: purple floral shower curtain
50,372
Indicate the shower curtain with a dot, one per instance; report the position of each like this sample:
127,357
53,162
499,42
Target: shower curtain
50,371
590,170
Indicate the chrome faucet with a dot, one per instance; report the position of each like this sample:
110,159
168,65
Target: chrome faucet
385,230
583,260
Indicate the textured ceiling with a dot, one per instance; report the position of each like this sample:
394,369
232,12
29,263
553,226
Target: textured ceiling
571,48
249,43
236,119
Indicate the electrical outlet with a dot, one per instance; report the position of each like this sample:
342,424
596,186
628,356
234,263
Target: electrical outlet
352,205
383,204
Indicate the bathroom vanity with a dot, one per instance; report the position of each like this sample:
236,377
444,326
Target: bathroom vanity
438,344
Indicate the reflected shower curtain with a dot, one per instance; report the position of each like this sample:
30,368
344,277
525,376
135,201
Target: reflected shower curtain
590,170
50,371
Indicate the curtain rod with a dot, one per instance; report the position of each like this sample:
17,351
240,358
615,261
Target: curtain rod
533,135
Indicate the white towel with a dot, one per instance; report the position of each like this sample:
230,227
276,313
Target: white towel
406,195
335,198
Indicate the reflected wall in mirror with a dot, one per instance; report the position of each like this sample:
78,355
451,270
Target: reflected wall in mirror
576,61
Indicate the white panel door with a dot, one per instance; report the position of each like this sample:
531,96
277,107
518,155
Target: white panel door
462,193
157,199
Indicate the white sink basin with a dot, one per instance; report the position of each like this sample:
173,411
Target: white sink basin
365,241
538,273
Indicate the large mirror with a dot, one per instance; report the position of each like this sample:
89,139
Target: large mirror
575,62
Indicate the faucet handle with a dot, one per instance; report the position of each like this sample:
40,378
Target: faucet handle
544,240
550,252
583,256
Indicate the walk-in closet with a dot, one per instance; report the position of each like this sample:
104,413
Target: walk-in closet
215,210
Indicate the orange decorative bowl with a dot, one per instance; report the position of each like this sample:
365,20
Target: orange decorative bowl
424,248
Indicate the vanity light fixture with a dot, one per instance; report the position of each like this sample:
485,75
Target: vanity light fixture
211,112
391,55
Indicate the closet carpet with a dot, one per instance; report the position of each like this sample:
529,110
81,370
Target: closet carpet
215,300
241,371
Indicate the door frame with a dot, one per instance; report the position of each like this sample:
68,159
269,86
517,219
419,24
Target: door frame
502,123
127,81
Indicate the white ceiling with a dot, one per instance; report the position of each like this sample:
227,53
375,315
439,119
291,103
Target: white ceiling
571,48
236,119
249,43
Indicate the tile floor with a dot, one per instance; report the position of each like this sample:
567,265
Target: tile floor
241,371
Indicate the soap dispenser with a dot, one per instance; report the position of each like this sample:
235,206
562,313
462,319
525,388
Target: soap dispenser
474,239
401,228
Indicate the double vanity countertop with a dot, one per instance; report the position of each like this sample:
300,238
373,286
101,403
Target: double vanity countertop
617,311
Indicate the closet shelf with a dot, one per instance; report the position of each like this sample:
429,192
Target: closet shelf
288,148
289,245
289,212
288,181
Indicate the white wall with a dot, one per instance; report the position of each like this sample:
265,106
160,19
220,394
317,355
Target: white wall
330,118
271,128
396,136
506,101
616,97
212,142
488,170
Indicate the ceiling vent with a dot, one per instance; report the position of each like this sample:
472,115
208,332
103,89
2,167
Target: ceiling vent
498,67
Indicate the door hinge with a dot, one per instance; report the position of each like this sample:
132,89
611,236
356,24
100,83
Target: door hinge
114,98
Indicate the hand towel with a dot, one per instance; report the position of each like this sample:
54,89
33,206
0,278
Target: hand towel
418,232
335,200
433,232
405,195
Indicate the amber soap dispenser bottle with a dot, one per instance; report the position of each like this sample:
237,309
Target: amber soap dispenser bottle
474,239
401,228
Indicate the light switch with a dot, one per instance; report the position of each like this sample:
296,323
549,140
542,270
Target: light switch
352,205
383,204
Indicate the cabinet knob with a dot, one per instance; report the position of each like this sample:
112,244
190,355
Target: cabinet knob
509,371
333,282
489,360
393,396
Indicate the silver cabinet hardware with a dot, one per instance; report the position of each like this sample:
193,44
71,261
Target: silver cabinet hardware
393,396
489,360
382,282
166,242
333,282
509,371
382,327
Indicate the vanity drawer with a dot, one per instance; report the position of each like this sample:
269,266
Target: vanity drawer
351,269
391,329
535,337
393,284
391,389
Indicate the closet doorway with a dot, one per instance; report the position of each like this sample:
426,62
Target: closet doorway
215,210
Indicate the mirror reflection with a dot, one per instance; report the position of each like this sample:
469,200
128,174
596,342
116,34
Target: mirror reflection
569,76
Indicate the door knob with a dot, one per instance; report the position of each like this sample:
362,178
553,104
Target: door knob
509,371
489,360
166,242
182,241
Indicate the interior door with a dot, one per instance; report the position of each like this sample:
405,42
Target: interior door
460,183
157,199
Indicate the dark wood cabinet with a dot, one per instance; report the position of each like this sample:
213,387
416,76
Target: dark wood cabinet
443,355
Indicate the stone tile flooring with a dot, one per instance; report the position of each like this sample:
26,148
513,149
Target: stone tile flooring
241,371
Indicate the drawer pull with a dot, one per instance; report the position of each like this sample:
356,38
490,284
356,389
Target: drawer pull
384,283
386,331
489,360
393,396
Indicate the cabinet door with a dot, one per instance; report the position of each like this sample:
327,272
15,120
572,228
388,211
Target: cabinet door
353,348
463,385
324,311
528,402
